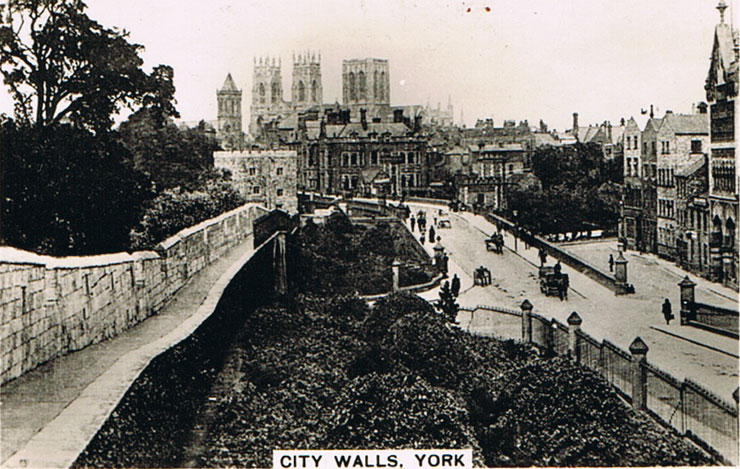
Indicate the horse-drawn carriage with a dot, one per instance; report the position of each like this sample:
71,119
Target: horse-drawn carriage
553,282
495,243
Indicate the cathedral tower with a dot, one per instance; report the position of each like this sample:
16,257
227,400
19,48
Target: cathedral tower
267,93
307,90
366,84
229,130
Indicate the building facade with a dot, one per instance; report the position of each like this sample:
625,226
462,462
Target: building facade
722,87
267,177
680,141
365,158
692,217
631,217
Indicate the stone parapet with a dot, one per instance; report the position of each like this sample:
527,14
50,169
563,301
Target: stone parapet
52,306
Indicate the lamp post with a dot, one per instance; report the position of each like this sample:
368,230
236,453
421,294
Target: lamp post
516,228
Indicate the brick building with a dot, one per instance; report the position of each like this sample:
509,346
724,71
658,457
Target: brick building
631,224
692,216
680,140
268,177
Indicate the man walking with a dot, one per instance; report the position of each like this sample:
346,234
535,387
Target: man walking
611,263
667,313
455,285
413,223
543,257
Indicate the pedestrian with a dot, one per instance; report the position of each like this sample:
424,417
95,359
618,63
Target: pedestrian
543,257
413,223
557,269
422,239
611,263
445,260
431,234
455,285
435,221
667,313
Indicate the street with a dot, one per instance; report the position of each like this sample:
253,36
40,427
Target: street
618,319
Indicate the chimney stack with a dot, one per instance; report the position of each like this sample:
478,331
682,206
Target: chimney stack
575,125
363,118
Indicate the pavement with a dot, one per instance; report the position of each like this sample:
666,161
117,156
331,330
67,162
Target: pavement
682,351
49,415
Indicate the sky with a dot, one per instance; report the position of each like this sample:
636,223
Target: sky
505,59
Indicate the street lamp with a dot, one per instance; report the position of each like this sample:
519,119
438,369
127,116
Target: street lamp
516,228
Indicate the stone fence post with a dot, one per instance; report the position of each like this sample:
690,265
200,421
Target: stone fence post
574,325
620,274
639,350
526,321
687,300
396,275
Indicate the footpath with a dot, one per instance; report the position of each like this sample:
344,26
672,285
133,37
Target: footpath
50,414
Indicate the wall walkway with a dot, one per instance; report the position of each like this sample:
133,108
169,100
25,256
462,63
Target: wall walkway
51,413
52,306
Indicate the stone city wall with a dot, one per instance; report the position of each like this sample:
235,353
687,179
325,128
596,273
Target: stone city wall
52,306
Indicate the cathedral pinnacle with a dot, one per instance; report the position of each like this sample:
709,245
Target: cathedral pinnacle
722,7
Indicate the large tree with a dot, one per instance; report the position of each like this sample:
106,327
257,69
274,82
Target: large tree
61,64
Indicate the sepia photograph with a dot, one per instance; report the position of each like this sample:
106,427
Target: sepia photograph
369,234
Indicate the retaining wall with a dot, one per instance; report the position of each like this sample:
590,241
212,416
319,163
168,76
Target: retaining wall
52,306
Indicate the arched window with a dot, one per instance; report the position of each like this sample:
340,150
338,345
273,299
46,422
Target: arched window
314,91
376,84
301,91
363,85
275,91
262,93
352,88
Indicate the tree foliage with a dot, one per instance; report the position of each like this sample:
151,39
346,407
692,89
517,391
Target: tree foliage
176,209
580,189
61,64
170,155
68,192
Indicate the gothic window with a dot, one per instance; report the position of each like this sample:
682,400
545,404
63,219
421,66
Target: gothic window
376,83
275,91
352,89
381,87
301,92
262,93
314,91
363,85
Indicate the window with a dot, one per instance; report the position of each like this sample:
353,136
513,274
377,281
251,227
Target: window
374,157
252,171
256,190
354,159
280,171
279,192
696,146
